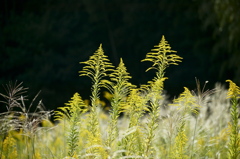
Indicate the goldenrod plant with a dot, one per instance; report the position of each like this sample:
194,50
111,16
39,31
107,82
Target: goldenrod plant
234,142
135,108
187,104
119,86
141,121
72,112
96,68
162,57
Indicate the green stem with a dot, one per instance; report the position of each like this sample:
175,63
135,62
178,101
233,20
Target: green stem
194,133
234,139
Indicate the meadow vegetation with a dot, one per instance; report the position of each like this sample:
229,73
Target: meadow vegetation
141,122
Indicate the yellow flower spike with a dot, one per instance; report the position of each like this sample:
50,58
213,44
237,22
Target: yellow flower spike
162,56
233,91
9,148
186,101
74,106
97,65
72,111
96,68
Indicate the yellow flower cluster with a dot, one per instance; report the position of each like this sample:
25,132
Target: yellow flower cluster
233,91
186,101
9,148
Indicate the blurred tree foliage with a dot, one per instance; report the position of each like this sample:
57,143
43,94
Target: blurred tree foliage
223,16
42,42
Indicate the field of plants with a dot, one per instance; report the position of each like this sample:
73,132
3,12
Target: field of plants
140,123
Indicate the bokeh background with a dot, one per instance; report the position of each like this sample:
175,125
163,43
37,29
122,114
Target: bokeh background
43,41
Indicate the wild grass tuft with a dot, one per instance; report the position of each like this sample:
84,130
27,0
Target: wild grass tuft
21,119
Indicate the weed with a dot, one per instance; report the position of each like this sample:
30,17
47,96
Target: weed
197,124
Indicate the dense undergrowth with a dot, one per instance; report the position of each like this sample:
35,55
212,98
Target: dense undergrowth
142,122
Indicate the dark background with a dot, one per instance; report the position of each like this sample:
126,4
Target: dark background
43,41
